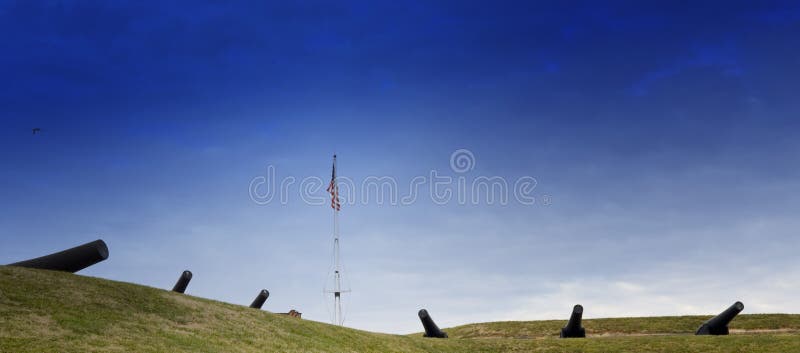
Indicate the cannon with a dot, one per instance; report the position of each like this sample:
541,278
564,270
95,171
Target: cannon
260,299
573,328
718,325
183,282
431,330
70,260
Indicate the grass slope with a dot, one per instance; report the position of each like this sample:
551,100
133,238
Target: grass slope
637,326
45,311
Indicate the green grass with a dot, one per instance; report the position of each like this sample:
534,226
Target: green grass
45,311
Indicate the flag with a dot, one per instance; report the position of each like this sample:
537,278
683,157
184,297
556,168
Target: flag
333,189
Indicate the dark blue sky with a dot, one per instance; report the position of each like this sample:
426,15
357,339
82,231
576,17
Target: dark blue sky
665,135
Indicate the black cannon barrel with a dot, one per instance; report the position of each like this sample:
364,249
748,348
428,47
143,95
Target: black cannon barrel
718,325
431,330
183,282
574,328
70,260
260,299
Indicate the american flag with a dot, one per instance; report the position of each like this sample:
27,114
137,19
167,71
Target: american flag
333,189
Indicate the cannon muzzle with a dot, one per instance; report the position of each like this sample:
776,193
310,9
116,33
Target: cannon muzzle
431,330
183,282
70,260
260,299
718,325
573,328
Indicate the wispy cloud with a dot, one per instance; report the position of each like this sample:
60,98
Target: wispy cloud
722,58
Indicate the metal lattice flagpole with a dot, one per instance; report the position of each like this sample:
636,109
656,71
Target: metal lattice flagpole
338,289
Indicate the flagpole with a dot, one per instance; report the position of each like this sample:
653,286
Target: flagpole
338,314
337,299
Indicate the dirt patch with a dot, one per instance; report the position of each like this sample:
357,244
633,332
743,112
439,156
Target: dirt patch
754,331
732,331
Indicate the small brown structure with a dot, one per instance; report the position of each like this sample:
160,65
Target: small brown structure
293,313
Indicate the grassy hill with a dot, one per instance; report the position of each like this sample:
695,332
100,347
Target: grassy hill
45,311
629,326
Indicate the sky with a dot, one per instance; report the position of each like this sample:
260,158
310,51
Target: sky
658,141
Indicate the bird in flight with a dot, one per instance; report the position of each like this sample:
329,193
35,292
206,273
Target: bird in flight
36,130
